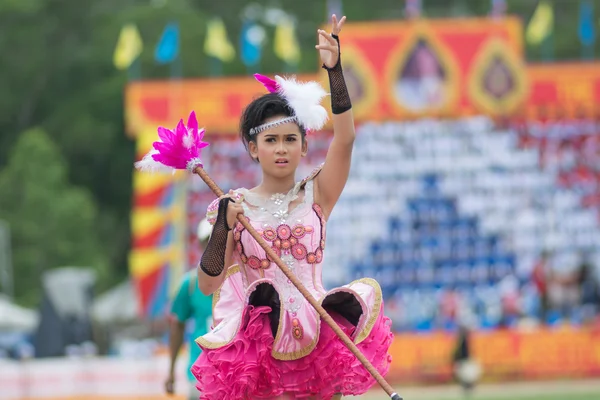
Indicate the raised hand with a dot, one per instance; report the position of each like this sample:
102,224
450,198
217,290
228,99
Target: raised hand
328,47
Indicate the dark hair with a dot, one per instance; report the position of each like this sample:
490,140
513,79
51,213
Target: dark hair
261,109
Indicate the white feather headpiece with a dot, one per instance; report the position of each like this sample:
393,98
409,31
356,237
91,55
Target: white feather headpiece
302,97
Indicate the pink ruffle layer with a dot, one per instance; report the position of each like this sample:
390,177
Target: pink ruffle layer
245,369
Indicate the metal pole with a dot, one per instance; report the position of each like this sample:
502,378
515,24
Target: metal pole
6,268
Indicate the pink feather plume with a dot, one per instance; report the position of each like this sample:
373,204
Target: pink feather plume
178,149
270,84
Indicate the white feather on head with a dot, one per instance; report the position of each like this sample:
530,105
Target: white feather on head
305,99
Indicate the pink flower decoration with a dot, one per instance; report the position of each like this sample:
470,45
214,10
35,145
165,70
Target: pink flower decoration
253,262
299,251
319,254
284,231
178,149
298,231
269,234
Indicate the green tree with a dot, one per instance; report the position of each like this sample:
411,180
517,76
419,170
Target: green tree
52,222
58,71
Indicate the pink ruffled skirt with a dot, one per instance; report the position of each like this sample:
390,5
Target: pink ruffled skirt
244,369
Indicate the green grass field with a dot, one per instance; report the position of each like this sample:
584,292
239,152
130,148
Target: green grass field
553,390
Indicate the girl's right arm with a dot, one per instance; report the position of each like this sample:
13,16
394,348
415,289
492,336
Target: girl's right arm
219,251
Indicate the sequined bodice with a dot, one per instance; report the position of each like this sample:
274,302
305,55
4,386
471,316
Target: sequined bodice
297,236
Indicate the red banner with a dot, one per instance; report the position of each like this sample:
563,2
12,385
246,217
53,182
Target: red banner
564,90
399,70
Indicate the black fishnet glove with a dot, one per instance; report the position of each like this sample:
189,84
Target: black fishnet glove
213,258
340,99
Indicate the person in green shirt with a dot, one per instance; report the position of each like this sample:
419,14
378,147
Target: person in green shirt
189,303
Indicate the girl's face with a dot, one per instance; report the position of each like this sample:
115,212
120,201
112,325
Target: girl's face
279,149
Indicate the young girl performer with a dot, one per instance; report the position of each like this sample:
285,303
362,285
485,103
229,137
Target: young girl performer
268,342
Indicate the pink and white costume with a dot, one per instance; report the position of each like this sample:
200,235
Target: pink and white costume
267,340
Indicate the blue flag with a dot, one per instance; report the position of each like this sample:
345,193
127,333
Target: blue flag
587,33
498,8
251,41
334,7
167,48
413,8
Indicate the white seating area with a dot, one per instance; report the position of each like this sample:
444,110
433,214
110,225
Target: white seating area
490,181
483,169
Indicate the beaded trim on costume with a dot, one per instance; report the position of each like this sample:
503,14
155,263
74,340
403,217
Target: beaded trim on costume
234,269
366,330
272,124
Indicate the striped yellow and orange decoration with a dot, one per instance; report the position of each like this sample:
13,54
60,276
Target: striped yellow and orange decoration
158,224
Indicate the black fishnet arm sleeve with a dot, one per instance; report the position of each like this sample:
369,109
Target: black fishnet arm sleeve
213,258
340,99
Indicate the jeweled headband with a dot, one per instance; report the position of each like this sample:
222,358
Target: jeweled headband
304,98
272,124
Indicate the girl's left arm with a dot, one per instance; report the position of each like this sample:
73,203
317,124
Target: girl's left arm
331,180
